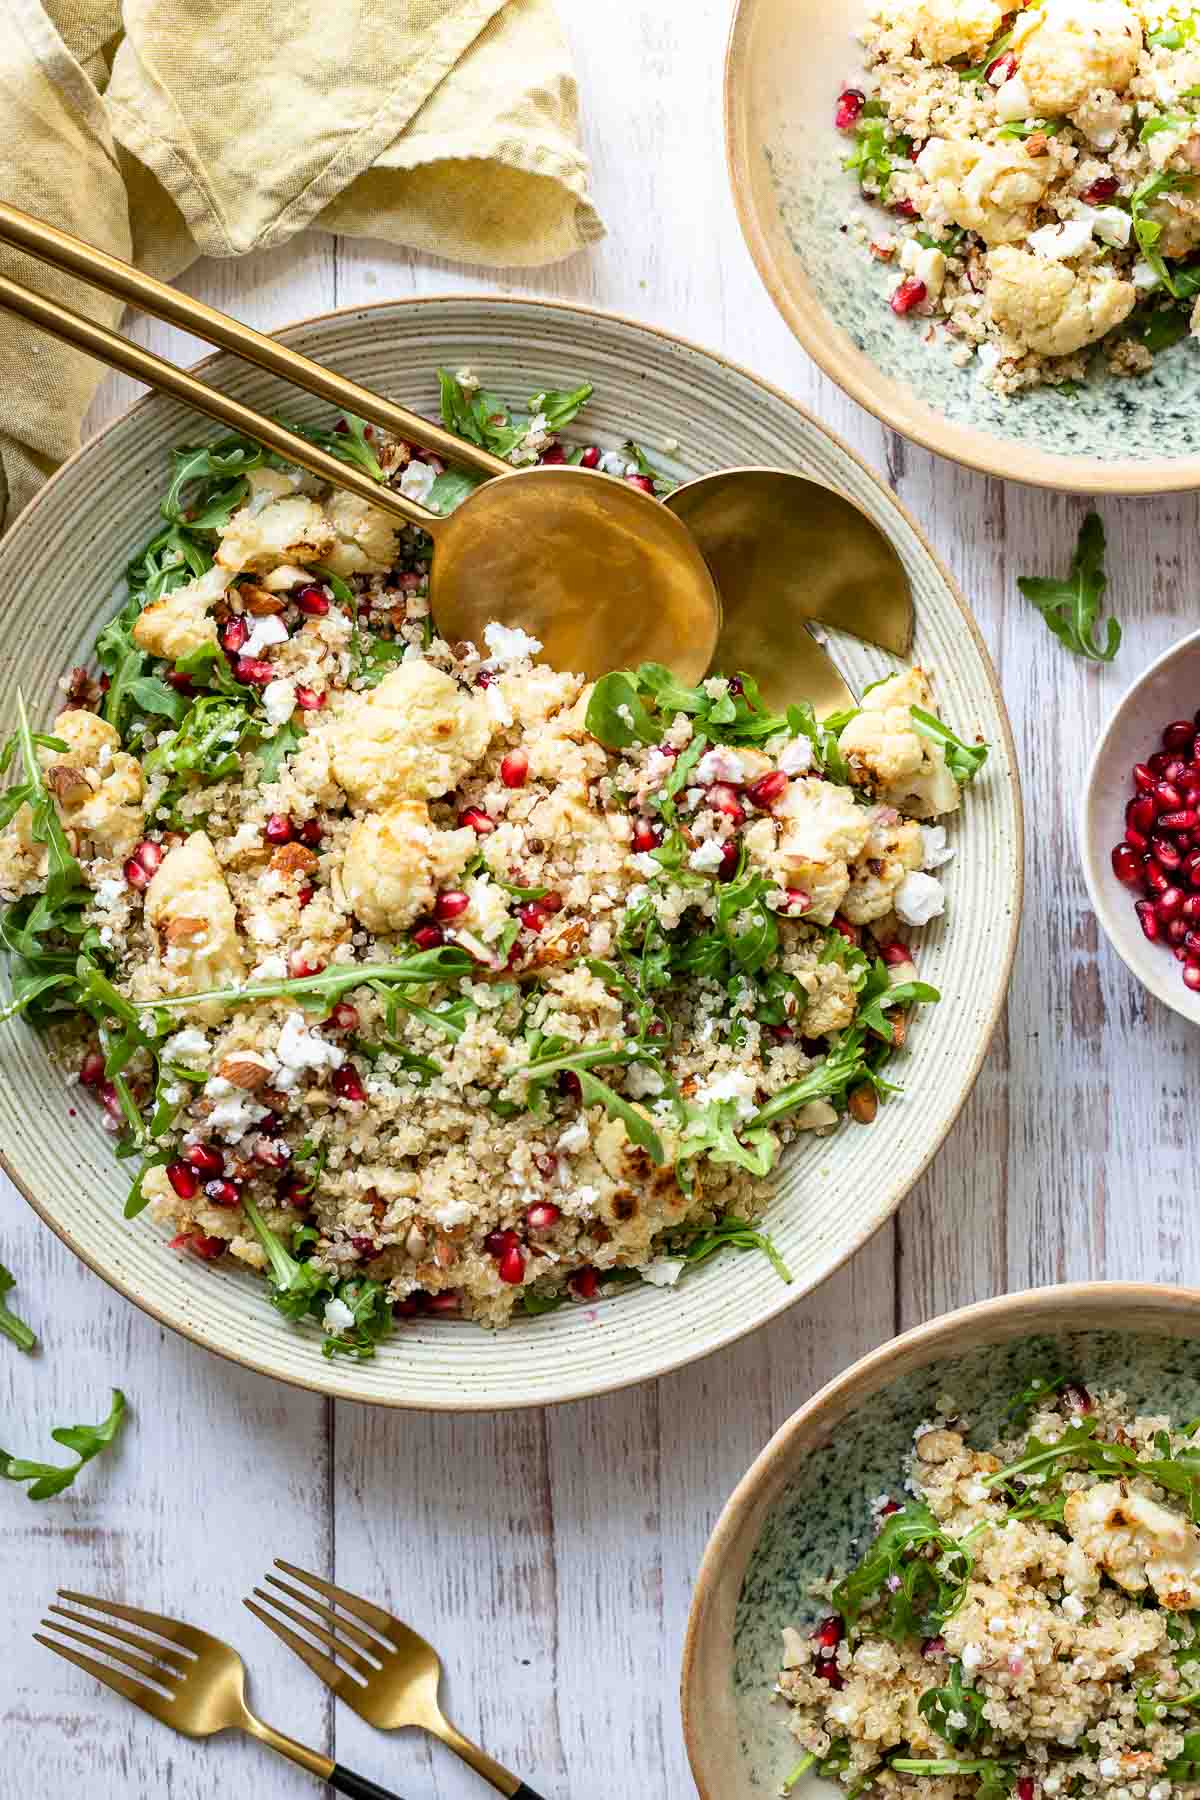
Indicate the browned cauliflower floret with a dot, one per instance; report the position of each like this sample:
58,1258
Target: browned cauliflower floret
1066,50
366,538
886,752
276,525
894,848
396,861
988,188
832,1000
821,832
182,621
1045,306
1137,1542
189,908
415,735
97,786
945,29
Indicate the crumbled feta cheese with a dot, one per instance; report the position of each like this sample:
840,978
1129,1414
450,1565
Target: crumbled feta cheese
708,855
1109,223
451,1213
417,481
919,898
271,968
613,464
721,764
279,701
1109,1768
337,1316
300,1049
1073,1607
498,706
1144,277
1058,242
796,757
267,631
235,1112
109,891
509,644
735,1084
971,1658
1012,100
664,1271
935,850
575,1137
184,1044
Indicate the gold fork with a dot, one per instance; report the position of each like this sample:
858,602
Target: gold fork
192,1681
388,1675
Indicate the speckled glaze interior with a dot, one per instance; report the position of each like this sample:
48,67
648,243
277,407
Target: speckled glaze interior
797,1512
58,569
788,60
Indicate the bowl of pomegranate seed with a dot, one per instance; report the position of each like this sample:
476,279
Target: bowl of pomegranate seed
949,1571
980,250
1139,829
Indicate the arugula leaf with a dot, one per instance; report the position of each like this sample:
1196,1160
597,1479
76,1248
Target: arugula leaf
732,1234
712,1129
964,761
879,995
349,445
1158,327
372,1320
295,1285
1043,1385
596,1092
996,1777
1173,36
372,656
909,1594
10,1325
875,156
844,1065
559,409
272,752
827,755
663,484
319,992
1148,231
300,1291
485,420
940,1706
617,716
1026,128
208,740
87,1441
1071,607
451,488
997,47
1185,1767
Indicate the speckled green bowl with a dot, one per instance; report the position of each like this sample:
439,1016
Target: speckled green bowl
788,60
794,1514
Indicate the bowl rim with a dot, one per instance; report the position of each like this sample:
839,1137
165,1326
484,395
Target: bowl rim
836,354
1043,1304
1171,993
686,1355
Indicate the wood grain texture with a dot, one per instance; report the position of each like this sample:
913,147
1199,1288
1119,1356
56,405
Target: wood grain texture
550,1556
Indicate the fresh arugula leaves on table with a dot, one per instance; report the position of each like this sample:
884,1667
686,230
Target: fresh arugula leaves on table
940,1707
909,1592
87,1441
1071,607
10,1325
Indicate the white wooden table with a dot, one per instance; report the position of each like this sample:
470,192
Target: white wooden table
550,1555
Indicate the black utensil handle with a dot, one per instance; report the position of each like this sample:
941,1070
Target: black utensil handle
526,1793
345,1781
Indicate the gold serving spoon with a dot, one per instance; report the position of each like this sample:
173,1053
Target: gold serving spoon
787,552
600,572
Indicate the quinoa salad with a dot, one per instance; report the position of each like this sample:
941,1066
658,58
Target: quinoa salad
1025,1624
1040,167
424,978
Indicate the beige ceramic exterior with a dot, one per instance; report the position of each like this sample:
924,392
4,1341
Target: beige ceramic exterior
1166,691
709,1724
787,61
59,574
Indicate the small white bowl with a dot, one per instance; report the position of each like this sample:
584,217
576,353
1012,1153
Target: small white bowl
1169,689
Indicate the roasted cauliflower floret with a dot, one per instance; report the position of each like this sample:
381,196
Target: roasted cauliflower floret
891,852
1045,306
396,861
413,736
276,525
97,786
182,621
886,752
832,1000
190,910
1137,1542
821,832
988,188
366,542
1066,50
944,29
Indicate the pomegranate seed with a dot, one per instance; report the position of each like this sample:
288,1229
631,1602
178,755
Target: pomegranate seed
727,868
428,937
205,1159
222,1192
180,682
347,1083
542,1216
642,483
933,1647
584,1283
149,855
135,875
1191,868
1180,953
1025,1787
1191,909
1167,797
1137,840
299,965
1103,189
1157,877
1148,919
477,819
826,1669
308,699
570,1084
1142,812
310,833
253,669
294,1191
723,799
365,1246
546,1163
590,458
783,1033
1187,820
1175,770
646,836
91,1070
447,1303
279,829
797,900
344,1017
554,455
200,1245
410,1306
1177,931
272,1153
234,635
1143,778
906,210
304,897
497,1242
849,109
1157,763
451,905
829,1632
514,769
1191,975
1076,1396
533,915
184,1180
1179,735
910,293
1002,70
110,1100
484,678
1170,903
769,788
852,933
313,601
1165,852
891,1506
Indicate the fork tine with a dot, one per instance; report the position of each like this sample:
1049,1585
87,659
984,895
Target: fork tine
144,1697
315,1628
175,1629
362,1609
175,1663
320,1665
347,1627
139,1664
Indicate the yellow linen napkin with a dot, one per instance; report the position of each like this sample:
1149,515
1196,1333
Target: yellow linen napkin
163,130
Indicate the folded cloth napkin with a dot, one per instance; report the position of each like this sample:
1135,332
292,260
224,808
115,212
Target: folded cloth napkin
163,130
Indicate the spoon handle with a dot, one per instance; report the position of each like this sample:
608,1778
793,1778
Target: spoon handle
358,1787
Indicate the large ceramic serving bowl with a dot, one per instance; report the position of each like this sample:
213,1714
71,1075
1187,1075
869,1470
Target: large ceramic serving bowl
59,579
794,1515
788,61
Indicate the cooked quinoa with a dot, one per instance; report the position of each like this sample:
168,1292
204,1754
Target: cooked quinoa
1025,1624
424,977
1041,168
